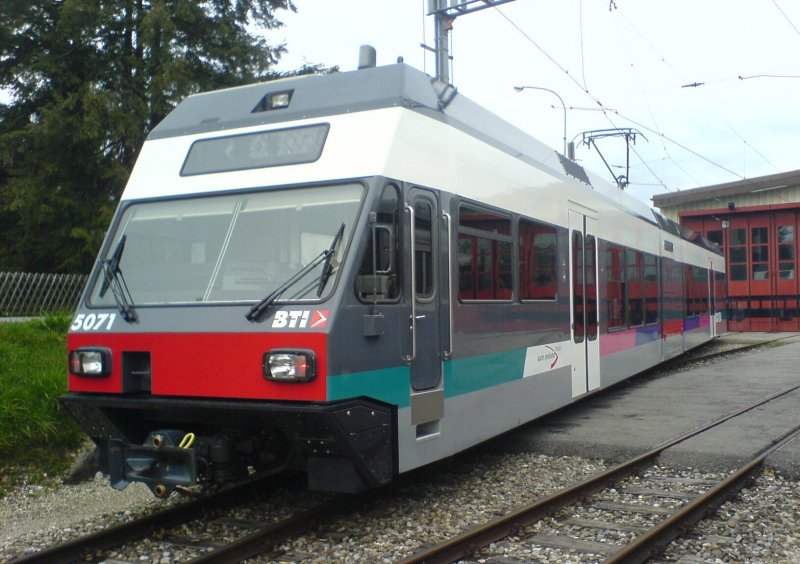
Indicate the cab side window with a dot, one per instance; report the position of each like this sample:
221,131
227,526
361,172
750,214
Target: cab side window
378,277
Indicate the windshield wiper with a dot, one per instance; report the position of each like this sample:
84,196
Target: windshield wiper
325,256
327,269
112,278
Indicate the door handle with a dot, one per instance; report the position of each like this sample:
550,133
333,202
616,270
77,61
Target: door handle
419,316
412,298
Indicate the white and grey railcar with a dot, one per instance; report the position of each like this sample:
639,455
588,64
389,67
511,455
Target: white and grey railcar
359,274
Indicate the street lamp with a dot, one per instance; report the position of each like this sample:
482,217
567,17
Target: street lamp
563,107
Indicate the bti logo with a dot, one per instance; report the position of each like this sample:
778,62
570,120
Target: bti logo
298,319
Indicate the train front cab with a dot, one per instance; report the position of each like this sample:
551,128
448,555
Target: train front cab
378,341
168,343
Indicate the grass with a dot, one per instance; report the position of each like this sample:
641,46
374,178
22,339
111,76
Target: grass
36,434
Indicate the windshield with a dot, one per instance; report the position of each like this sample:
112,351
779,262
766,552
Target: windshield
229,248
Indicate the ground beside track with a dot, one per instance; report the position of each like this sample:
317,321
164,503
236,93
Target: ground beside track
643,412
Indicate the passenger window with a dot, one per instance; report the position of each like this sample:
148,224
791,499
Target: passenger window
378,277
650,288
484,255
615,287
537,261
633,260
696,282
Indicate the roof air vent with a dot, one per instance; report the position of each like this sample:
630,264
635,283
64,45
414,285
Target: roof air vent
367,57
573,169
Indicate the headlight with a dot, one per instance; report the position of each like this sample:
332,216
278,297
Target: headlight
289,366
90,362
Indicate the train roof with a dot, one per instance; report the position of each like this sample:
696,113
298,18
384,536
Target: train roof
397,85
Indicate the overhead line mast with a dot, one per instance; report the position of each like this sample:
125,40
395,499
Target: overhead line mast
445,12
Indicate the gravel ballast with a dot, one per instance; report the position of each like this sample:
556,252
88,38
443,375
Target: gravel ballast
760,524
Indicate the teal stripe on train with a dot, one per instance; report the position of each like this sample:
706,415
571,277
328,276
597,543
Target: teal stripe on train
390,385
474,373
462,376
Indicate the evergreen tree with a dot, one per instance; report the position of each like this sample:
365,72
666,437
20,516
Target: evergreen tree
89,79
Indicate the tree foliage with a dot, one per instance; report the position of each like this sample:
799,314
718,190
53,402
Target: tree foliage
88,80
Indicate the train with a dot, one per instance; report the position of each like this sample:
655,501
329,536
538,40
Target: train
358,274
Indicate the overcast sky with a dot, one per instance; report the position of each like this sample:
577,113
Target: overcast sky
633,57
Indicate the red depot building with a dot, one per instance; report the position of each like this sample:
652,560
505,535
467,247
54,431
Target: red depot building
755,221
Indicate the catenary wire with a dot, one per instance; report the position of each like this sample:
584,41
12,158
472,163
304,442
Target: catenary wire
583,61
604,108
650,108
794,27
683,79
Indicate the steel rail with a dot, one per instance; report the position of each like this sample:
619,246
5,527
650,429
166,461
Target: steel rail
695,355
75,550
656,539
269,537
464,544
743,348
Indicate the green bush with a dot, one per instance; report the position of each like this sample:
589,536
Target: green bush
33,373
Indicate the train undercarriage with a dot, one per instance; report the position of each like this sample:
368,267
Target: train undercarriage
165,443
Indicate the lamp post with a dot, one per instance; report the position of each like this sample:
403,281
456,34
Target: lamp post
563,107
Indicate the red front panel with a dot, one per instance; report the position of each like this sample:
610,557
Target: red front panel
220,365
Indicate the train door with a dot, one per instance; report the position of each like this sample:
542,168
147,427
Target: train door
424,353
583,311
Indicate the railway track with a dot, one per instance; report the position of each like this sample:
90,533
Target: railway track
669,506
218,512
704,354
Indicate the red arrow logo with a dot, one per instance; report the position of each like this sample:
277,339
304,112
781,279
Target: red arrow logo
320,319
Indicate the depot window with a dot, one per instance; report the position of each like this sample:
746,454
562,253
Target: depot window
737,254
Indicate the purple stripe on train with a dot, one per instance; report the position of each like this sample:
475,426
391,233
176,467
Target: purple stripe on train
618,341
696,322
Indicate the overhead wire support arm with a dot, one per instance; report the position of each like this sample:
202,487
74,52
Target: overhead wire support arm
445,12
589,138
463,7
